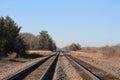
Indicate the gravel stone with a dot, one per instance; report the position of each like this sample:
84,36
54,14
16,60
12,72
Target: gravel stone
8,68
112,67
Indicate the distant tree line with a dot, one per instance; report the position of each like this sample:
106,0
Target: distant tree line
111,51
43,41
108,51
11,40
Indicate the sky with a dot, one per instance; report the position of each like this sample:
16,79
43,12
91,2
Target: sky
87,22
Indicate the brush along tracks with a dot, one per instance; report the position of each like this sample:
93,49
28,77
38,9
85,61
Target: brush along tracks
35,71
93,72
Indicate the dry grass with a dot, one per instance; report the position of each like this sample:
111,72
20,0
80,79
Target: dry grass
12,55
98,55
32,53
114,58
41,52
86,54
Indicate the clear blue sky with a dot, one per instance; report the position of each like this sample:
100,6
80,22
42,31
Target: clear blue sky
88,22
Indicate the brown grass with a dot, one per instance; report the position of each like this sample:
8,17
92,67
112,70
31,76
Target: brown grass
41,52
86,54
97,55
12,55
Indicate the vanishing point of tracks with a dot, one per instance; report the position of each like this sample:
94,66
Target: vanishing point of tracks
45,69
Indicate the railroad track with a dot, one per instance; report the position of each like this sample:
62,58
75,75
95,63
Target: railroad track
45,70
49,62
48,74
89,72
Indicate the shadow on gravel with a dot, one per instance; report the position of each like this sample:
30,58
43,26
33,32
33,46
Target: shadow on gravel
33,55
14,60
27,56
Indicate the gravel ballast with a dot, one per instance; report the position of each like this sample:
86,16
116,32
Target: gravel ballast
66,71
112,67
8,68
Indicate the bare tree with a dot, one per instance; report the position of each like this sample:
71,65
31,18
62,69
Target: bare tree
30,40
72,46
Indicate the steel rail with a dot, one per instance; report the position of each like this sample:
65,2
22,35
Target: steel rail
94,77
48,74
23,73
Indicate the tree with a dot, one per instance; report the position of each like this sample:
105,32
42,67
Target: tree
46,42
54,46
78,46
73,47
20,47
30,40
9,31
